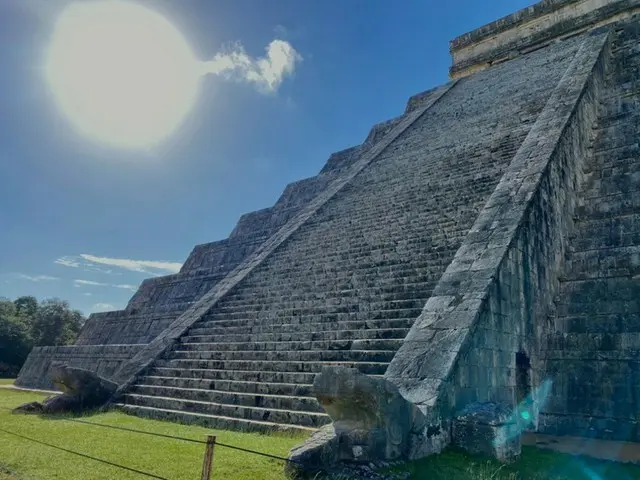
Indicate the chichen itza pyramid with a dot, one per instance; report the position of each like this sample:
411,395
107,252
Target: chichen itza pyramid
483,246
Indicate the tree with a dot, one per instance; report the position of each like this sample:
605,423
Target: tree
55,323
26,306
25,323
15,339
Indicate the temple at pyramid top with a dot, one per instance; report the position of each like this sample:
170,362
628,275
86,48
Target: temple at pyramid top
530,29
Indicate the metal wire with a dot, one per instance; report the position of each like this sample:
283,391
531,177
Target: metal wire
140,472
184,439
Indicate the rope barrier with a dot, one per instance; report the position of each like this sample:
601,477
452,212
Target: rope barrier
133,430
184,439
140,472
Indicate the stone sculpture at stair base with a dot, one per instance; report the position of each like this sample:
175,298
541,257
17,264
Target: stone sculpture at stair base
82,390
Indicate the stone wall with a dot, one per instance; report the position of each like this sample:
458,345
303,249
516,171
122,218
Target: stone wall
121,327
491,302
591,356
102,359
532,28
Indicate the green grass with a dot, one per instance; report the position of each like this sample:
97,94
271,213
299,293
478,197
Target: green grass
160,456
534,464
21,459
6,381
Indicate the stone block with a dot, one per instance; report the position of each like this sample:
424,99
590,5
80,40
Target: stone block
488,429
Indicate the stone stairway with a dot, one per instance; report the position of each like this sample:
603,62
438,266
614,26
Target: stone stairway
593,354
346,287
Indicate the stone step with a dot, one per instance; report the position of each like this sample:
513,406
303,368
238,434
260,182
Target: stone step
605,263
612,184
433,248
617,138
267,388
354,289
280,402
608,206
287,355
617,173
303,308
623,289
624,87
611,162
608,158
266,376
430,249
305,419
373,256
308,366
598,306
399,225
618,109
305,336
315,279
580,397
356,344
364,246
363,295
212,421
297,327
603,323
591,343
606,232
365,319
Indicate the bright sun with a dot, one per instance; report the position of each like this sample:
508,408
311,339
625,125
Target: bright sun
120,72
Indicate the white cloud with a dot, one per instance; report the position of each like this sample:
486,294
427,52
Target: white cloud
266,72
135,265
68,262
37,278
91,283
87,294
102,307
95,263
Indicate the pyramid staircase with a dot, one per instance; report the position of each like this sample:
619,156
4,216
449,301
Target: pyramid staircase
593,354
350,281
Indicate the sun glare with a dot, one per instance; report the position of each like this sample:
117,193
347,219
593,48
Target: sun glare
120,72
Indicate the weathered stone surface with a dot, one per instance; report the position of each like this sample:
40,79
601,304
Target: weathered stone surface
103,360
317,454
487,306
91,389
488,429
82,390
371,419
530,29
590,350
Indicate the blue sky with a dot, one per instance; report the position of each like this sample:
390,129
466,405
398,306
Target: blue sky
64,195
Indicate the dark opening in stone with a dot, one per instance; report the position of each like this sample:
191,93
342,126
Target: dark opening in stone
523,377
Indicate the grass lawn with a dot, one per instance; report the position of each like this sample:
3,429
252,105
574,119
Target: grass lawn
534,464
161,456
173,459
6,381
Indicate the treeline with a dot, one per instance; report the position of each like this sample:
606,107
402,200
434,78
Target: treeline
25,323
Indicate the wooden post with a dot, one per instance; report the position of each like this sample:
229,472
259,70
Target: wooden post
207,466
